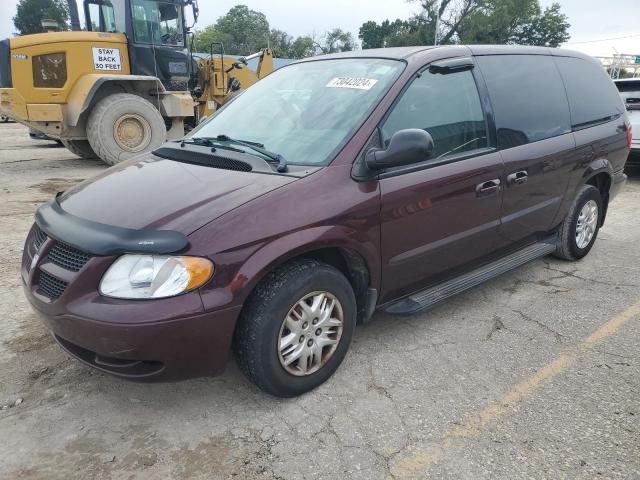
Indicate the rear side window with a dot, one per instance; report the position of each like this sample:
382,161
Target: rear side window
446,106
592,95
625,86
528,98
630,93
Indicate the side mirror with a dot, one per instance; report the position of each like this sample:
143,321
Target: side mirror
406,147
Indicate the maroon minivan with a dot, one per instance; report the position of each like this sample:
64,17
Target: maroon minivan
337,186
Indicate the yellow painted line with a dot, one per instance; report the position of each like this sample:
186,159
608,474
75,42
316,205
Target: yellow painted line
421,459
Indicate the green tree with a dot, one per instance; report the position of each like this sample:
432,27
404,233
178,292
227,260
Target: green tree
248,30
281,43
30,13
396,33
472,21
373,35
498,22
205,38
302,47
547,29
334,41
243,31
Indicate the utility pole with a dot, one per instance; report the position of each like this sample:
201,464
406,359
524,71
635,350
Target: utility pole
435,36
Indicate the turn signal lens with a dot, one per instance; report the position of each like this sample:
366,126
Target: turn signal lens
200,270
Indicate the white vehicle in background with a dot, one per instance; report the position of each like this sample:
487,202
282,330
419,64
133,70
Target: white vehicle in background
629,89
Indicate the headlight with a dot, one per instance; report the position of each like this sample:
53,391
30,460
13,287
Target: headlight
154,276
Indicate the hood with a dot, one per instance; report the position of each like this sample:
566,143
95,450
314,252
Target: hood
49,38
161,194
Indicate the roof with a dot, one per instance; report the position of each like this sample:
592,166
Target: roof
404,53
394,53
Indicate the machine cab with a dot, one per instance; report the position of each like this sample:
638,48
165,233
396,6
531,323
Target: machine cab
156,30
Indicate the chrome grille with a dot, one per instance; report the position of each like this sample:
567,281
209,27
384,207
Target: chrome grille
51,286
60,254
67,257
38,238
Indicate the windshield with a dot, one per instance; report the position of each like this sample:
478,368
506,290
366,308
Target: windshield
158,23
106,16
305,112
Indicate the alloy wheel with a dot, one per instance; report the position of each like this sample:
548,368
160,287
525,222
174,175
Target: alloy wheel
310,333
587,224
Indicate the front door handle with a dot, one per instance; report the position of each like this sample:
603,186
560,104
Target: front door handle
517,178
487,188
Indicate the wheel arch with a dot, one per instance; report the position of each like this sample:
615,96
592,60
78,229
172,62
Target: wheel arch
599,174
90,89
356,260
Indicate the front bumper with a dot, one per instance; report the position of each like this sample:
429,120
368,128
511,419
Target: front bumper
146,340
178,349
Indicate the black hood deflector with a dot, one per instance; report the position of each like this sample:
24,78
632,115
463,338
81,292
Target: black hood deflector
103,240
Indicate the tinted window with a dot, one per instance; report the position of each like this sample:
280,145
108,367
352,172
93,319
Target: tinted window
446,106
592,96
528,98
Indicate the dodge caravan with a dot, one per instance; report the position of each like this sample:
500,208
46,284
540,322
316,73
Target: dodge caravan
382,180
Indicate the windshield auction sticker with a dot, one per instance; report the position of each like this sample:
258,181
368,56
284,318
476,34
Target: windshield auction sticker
352,82
107,59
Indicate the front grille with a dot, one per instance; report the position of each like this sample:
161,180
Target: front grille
51,286
67,257
39,238
59,253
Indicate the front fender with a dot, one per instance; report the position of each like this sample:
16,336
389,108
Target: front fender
86,88
270,255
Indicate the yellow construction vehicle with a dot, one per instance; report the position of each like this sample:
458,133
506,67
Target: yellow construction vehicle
124,85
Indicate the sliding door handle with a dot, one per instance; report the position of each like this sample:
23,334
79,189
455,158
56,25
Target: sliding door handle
487,188
517,178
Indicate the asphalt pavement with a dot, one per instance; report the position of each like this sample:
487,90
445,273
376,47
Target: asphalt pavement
536,374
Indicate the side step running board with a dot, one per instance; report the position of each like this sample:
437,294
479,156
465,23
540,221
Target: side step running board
427,298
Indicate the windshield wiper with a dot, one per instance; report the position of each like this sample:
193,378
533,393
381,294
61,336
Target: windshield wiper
197,141
207,142
259,148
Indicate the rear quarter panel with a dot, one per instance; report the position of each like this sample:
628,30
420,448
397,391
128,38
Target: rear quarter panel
602,148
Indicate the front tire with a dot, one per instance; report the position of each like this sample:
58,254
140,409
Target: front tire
124,125
81,148
295,328
580,228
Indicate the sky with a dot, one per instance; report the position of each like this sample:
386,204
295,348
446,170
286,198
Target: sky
591,20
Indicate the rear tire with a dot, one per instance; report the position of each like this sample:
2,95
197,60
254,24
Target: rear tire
81,148
260,342
581,218
124,125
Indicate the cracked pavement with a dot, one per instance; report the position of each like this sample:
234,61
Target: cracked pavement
495,383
